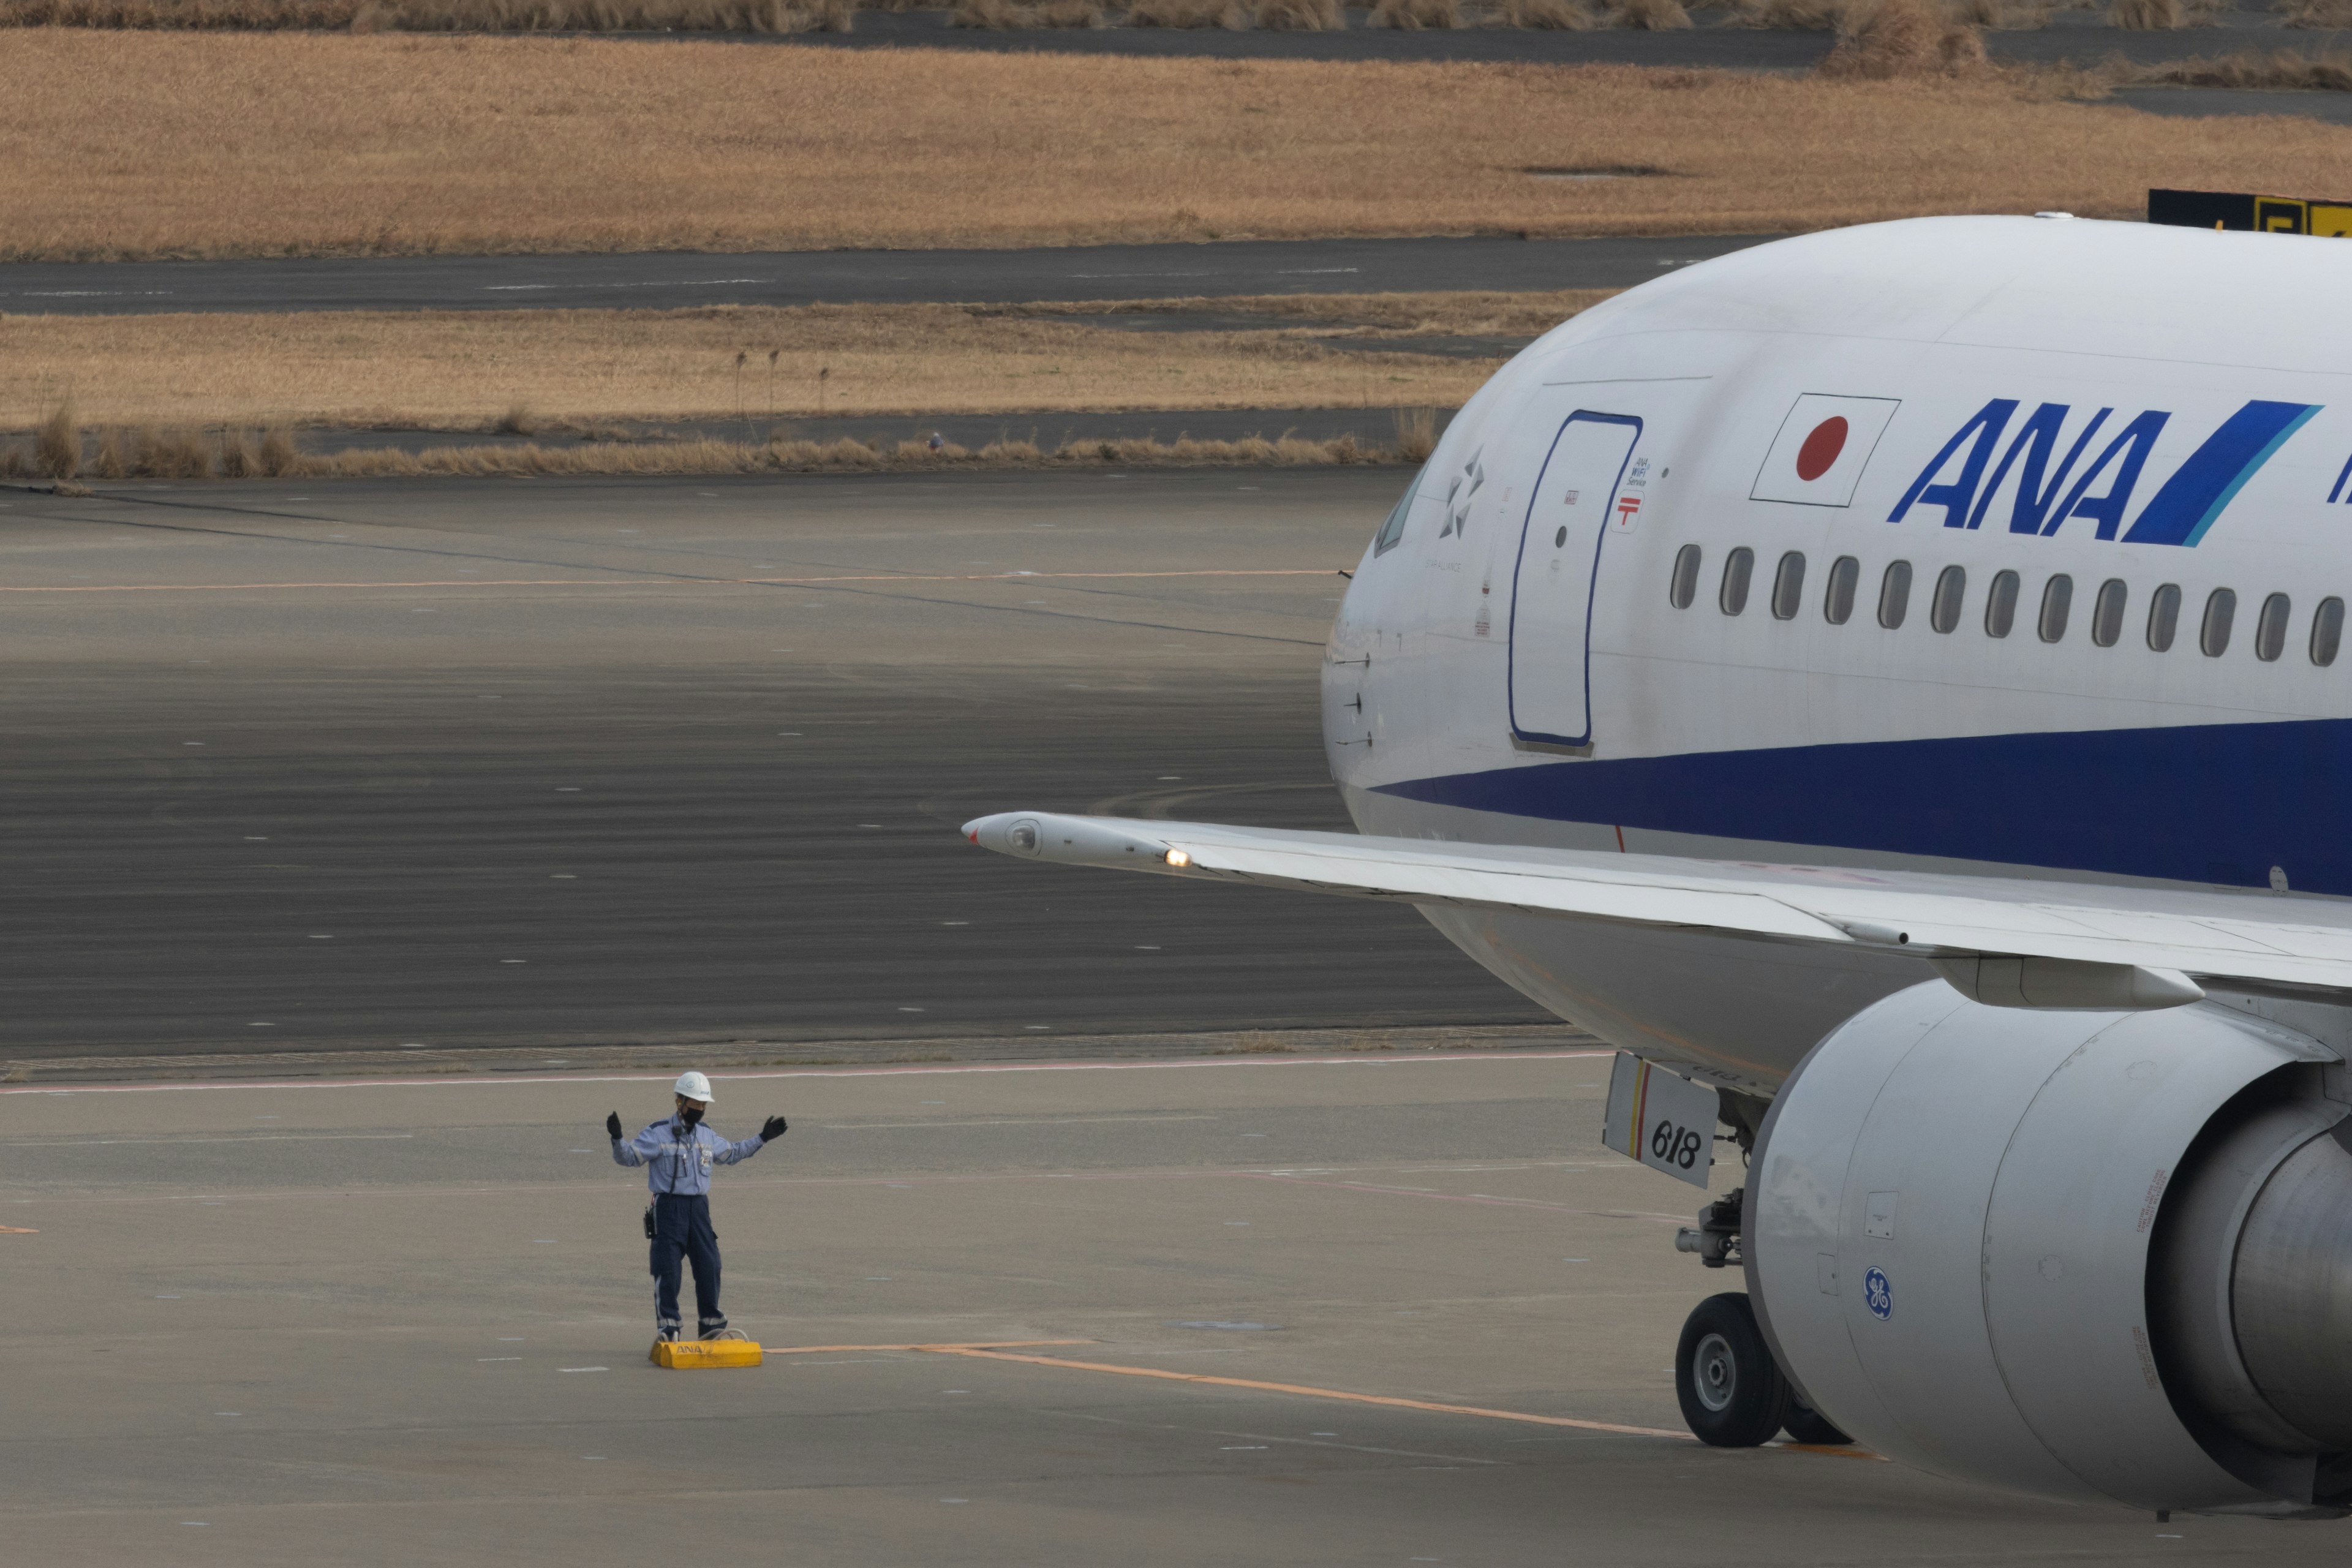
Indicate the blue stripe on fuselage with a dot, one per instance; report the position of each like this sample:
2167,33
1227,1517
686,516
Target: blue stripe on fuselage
2211,476
2219,803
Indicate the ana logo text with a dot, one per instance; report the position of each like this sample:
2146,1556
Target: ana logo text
1973,471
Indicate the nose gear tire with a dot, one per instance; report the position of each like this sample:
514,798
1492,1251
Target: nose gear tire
1732,1392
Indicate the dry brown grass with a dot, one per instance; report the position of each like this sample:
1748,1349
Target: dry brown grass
440,16
1411,16
524,372
419,15
1555,16
238,458
2328,13
1898,39
2003,15
2163,15
1416,434
1003,15
2282,68
1229,14
405,144
1801,16
56,444
1299,16
1649,15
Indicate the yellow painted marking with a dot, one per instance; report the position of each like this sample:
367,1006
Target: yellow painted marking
1310,1392
944,1350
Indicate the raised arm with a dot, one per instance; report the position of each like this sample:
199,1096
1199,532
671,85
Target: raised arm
624,1153
772,1130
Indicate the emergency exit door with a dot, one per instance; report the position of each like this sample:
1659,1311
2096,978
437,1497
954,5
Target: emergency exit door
1560,540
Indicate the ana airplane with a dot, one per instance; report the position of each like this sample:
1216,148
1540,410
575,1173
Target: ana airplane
1890,683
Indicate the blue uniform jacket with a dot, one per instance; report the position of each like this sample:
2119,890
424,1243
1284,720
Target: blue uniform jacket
678,1158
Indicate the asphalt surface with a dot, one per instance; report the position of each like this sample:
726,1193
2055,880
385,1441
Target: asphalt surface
2081,37
406,1325
674,279
521,765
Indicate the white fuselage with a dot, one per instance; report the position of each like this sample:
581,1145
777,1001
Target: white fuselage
2148,427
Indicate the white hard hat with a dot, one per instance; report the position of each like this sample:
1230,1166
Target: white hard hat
694,1086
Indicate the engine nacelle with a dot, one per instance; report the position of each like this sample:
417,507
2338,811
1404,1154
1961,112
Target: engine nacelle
2089,1255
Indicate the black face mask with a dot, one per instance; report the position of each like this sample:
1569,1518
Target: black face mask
691,1114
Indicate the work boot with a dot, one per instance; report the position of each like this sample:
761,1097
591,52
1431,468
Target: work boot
711,1328
667,1332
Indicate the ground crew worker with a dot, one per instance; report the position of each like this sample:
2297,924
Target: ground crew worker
679,1152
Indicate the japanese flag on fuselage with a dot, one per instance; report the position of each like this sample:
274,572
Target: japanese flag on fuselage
1821,448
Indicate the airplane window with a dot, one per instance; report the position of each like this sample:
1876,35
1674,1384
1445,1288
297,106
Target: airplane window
2220,609
1394,529
1944,609
2326,631
1895,595
1837,605
2057,598
2000,605
1737,566
2164,618
2270,629
1684,587
2107,613
1789,587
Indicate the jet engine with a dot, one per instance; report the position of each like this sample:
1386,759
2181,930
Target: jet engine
2089,1255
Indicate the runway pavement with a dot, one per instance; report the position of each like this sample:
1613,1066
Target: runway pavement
539,766
676,279
2081,37
1235,1312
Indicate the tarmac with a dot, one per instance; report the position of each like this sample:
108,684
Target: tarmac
679,279
2081,37
513,764
1287,1239
1239,1311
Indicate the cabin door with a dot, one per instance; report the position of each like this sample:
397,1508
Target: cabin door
1560,540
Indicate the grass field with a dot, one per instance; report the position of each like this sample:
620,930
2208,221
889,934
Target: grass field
475,368
144,144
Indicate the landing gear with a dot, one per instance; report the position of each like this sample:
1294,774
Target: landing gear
1806,1425
1731,1391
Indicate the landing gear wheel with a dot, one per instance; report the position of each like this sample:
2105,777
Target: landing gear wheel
1806,1425
1730,1389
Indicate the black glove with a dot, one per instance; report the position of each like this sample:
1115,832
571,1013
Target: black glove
772,1128
612,1126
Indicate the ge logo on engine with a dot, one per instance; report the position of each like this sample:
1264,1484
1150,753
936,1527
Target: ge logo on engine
1879,1294
1675,1145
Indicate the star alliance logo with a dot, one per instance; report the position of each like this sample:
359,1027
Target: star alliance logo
1457,499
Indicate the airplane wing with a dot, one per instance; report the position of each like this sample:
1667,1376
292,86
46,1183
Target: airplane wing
2015,943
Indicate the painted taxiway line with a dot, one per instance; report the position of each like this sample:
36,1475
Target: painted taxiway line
470,1081
975,1345
1309,1391
636,578
1001,1350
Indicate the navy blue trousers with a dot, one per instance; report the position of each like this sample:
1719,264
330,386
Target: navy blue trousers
682,1230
